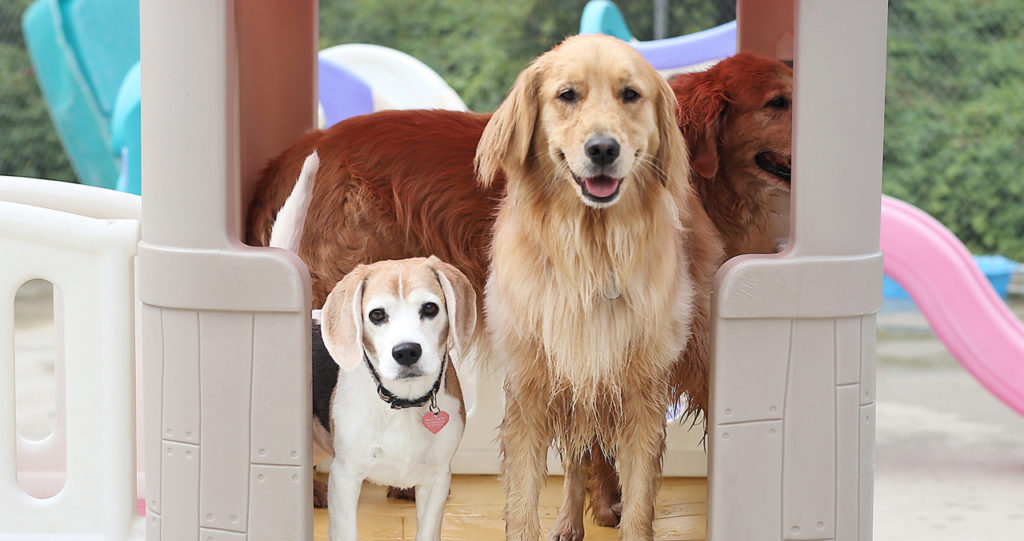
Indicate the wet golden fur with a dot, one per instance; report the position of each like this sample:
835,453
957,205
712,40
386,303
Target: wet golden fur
582,366
370,206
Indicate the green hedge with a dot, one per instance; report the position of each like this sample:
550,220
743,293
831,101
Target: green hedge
954,117
479,46
28,141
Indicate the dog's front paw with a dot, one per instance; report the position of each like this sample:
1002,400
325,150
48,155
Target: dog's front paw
563,531
605,512
408,494
781,243
319,494
605,497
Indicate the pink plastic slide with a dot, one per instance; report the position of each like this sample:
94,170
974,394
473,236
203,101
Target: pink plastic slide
964,311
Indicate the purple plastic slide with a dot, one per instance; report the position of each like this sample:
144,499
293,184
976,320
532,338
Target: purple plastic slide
964,311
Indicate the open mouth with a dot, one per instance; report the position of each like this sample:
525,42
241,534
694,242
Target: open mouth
600,189
774,164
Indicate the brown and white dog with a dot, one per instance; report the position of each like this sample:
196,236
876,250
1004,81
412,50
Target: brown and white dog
394,413
400,184
590,296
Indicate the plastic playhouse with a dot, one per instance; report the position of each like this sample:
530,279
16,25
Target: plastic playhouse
223,328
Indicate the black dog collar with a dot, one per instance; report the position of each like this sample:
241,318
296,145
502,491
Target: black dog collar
398,403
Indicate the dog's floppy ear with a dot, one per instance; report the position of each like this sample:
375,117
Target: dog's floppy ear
671,156
507,137
460,299
701,103
342,327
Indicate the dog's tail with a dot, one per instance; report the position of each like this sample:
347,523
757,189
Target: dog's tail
291,219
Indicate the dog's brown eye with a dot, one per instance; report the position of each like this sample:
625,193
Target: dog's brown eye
629,95
568,96
428,310
378,316
778,102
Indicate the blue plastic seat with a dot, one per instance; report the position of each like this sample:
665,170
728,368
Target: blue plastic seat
126,132
81,51
604,17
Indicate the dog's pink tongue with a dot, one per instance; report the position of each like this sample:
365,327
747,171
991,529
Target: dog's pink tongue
602,186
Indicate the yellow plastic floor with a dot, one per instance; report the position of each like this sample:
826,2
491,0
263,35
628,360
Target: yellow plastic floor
474,512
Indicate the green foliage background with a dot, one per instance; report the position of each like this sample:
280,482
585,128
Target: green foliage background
28,142
479,46
954,118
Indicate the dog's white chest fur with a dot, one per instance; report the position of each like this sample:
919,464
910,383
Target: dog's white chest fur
387,446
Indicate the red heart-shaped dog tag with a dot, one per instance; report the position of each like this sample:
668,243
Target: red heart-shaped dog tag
435,421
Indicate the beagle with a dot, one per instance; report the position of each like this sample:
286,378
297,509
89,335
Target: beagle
394,413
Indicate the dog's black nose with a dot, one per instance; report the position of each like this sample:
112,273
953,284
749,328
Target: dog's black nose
602,150
406,353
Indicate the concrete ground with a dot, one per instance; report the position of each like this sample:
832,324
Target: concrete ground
949,457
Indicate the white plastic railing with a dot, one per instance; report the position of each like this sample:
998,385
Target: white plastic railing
82,240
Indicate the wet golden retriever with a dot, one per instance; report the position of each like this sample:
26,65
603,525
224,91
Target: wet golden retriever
590,297
369,205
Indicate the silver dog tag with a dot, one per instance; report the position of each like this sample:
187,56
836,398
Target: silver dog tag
611,290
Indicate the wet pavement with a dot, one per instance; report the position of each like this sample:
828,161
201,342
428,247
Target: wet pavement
949,455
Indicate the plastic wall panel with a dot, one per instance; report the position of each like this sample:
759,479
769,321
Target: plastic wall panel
280,505
808,464
225,343
868,336
208,485
848,350
181,399
180,517
756,390
867,469
206,534
153,528
281,424
847,463
811,486
151,349
744,466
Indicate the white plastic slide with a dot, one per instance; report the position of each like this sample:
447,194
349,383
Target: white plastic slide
398,80
964,311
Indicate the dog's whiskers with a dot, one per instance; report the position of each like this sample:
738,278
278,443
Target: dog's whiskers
647,161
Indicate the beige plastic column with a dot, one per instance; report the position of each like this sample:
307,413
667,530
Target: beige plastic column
792,400
224,329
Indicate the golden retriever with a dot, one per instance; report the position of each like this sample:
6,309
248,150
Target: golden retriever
590,296
737,118
400,184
